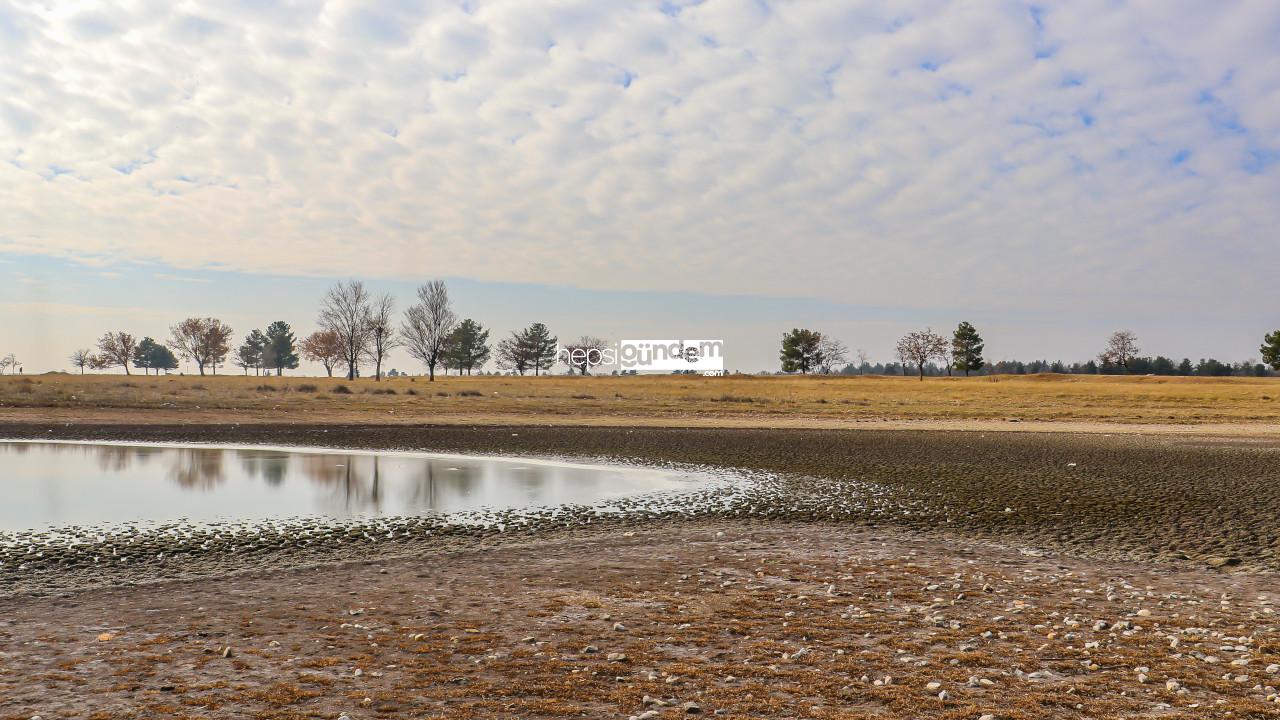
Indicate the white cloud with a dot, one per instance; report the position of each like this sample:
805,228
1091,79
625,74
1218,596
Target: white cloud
922,153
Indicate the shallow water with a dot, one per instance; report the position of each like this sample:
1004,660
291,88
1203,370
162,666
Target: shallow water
47,485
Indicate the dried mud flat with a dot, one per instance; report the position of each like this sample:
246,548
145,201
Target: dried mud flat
803,600
733,619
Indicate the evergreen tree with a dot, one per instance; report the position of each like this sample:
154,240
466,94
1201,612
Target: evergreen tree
800,350
279,349
250,353
144,353
541,345
966,349
468,346
1271,349
1185,367
162,358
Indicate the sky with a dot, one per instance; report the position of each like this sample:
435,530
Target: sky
722,169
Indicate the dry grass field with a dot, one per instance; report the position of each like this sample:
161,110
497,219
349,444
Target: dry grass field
1066,401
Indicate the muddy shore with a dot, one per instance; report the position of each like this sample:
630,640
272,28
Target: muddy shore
864,574
1188,501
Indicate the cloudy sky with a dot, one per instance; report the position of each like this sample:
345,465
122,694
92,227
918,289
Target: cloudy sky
727,168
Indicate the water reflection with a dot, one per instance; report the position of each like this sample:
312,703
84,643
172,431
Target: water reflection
49,484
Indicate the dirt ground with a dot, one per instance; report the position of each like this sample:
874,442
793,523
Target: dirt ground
733,619
1028,575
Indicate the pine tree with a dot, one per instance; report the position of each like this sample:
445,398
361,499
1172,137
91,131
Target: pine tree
800,350
966,349
251,351
280,348
468,346
1271,349
162,358
542,346
144,354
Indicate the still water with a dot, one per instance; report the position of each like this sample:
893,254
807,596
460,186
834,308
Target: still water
44,485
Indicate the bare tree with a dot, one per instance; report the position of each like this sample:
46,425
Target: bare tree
382,333
583,354
919,347
831,354
427,325
1122,348
81,359
204,341
345,310
324,347
513,353
8,361
863,357
115,348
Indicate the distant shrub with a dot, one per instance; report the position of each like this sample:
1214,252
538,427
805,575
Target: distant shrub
128,384
305,387
442,394
735,399
410,391
580,397
266,388
341,390
198,386
470,393
25,389
382,391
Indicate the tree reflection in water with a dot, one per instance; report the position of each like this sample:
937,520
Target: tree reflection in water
270,464
50,484
354,482
197,469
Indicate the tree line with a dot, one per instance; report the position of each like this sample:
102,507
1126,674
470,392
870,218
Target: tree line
356,330
928,353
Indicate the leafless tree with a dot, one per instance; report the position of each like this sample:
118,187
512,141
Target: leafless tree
324,347
831,354
919,347
1122,348
204,341
8,361
115,348
382,333
863,358
427,324
513,354
345,310
583,354
81,359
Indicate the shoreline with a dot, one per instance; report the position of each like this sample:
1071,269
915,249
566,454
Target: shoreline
1138,498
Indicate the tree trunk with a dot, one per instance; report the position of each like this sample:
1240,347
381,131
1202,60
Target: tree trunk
279,371
126,368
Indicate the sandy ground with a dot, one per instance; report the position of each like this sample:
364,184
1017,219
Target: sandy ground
734,619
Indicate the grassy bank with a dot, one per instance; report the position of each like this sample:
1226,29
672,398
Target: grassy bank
741,400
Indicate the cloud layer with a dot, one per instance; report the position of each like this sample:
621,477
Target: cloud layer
919,154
